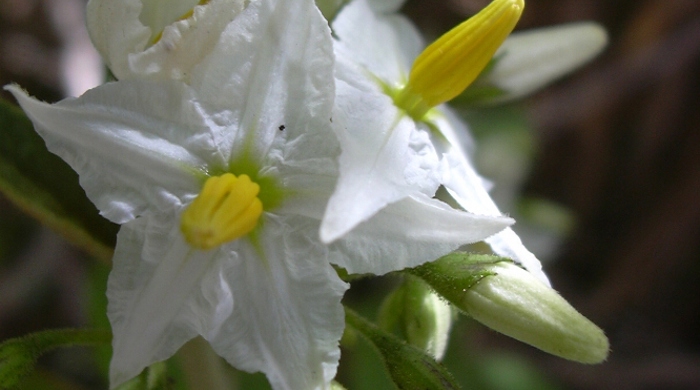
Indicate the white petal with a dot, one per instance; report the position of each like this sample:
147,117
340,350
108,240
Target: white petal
470,190
530,60
271,73
453,129
123,31
467,188
384,158
135,145
161,294
157,14
385,45
116,31
411,232
287,319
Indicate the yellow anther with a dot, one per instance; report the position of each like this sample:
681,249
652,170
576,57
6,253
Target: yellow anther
227,208
447,67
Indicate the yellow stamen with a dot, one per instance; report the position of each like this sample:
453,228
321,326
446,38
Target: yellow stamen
447,67
227,208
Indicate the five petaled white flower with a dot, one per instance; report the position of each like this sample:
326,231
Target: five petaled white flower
405,154
220,185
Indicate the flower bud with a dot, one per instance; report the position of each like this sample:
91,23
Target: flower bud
418,315
510,300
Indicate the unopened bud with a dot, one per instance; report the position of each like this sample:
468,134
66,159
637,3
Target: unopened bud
419,315
510,300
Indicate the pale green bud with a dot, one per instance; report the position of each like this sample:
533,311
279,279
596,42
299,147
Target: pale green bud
419,315
510,300
515,303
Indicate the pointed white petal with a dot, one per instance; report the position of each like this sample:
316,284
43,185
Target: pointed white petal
453,129
385,45
287,319
135,145
161,294
384,156
124,32
530,60
411,232
470,190
271,74
467,188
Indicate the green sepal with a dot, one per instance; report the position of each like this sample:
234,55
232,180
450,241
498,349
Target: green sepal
480,91
409,367
453,274
45,187
18,356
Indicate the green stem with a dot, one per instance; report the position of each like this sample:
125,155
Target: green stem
408,366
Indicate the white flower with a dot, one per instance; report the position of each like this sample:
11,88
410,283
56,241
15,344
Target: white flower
156,38
408,148
220,185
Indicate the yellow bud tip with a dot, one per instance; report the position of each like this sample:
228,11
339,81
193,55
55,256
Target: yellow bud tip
450,64
227,208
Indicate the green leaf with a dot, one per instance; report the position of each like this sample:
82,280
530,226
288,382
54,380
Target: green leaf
45,187
409,367
19,355
16,231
